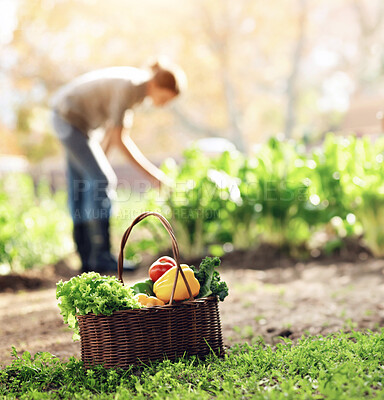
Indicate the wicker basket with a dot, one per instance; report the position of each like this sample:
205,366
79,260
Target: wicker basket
127,337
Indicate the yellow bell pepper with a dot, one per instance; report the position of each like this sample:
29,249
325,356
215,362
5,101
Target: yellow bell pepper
163,286
148,301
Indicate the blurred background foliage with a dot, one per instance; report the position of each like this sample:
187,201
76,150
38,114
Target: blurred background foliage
295,201
271,77
34,224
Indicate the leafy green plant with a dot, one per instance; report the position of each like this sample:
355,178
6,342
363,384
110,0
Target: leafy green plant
284,195
282,191
212,202
193,205
92,293
239,216
209,278
34,223
365,189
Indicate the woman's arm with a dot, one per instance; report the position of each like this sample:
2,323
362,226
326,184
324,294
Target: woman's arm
106,142
113,133
113,138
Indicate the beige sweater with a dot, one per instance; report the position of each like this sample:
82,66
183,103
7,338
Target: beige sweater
99,97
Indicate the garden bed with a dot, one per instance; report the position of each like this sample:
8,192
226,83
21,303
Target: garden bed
264,257
290,300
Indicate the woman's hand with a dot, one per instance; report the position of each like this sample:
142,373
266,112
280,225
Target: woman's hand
163,180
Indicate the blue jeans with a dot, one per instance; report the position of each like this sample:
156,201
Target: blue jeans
91,180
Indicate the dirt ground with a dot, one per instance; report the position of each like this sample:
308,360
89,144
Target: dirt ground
289,301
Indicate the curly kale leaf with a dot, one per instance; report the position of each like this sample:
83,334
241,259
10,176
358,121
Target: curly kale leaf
209,278
219,287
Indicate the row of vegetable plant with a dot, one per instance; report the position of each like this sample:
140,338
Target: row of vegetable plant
285,194
35,228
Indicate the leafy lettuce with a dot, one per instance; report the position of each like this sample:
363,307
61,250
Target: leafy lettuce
92,293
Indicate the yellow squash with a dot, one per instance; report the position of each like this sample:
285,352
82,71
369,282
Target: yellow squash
148,301
163,286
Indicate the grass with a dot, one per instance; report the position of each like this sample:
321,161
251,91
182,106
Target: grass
340,366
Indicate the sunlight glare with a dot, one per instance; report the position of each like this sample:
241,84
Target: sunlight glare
8,20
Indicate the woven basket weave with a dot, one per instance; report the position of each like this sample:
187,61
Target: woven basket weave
127,337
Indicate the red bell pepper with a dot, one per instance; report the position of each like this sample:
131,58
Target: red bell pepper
160,266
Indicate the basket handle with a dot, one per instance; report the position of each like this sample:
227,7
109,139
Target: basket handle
175,250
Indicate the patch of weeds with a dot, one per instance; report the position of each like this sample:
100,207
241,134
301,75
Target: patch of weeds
247,332
343,292
259,318
248,304
349,324
284,303
250,287
270,287
237,329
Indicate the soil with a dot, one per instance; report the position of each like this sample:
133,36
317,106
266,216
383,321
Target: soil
263,257
286,299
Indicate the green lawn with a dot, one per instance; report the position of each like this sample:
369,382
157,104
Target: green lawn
342,366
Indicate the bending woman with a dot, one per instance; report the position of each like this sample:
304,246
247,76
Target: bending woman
100,99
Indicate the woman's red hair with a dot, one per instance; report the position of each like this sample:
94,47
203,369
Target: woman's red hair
168,77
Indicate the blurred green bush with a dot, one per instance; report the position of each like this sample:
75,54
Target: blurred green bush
35,228
284,195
